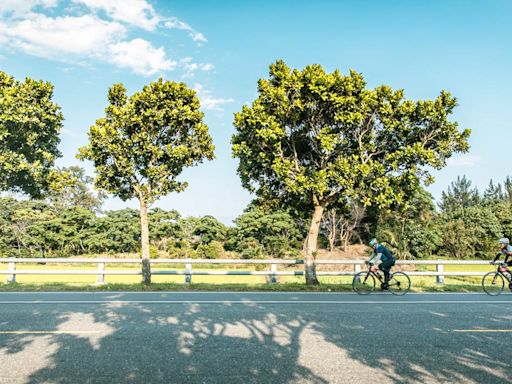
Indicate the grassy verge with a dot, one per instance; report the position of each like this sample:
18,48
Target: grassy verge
291,287
216,283
281,287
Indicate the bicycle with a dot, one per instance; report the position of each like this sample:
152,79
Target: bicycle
364,282
493,283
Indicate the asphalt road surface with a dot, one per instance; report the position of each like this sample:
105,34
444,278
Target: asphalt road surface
216,337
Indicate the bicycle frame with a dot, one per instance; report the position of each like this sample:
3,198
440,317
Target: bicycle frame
376,274
502,268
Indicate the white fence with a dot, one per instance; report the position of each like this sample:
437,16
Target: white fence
188,271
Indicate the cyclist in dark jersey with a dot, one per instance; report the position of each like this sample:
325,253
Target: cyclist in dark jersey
386,258
505,249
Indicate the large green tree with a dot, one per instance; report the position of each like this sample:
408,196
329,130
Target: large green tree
30,123
144,142
313,138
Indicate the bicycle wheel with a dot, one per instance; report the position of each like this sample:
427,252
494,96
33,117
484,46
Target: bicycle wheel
363,283
493,283
399,283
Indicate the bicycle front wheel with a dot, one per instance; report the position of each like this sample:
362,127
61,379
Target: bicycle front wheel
363,283
399,283
493,283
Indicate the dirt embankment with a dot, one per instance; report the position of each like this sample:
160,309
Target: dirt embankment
353,252
356,251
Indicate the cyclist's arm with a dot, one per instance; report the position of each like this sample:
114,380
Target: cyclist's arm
497,257
375,256
507,255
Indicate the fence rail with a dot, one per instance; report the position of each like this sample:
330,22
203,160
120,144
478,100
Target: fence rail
188,270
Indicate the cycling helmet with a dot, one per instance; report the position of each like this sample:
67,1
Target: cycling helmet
374,241
504,240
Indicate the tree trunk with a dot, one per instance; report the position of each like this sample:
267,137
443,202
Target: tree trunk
331,243
330,221
311,245
144,239
332,233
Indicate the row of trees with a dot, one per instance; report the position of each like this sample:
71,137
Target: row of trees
466,224
35,228
310,142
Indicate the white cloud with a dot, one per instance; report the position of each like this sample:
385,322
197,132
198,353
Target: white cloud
190,67
463,161
140,56
135,12
22,7
93,30
74,39
208,101
174,23
51,37
207,67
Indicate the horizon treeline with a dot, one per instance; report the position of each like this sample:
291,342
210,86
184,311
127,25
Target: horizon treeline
464,224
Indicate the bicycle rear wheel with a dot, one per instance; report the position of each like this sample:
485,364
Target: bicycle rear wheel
363,283
399,283
493,283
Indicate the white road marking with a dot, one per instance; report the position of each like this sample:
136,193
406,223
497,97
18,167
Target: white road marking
233,293
481,330
378,302
48,332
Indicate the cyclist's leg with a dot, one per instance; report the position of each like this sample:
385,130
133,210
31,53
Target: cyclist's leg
509,264
385,267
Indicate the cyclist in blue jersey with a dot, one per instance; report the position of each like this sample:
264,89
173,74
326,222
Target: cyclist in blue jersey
505,249
384,256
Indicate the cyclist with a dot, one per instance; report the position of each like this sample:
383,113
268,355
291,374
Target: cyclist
386,258
505,249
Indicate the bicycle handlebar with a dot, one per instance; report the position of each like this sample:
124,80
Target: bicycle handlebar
500,263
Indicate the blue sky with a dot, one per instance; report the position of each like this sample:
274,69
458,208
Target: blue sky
221,48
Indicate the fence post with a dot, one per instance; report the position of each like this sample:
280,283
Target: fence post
440,278
101,274
11,278
273,270
357,268
188,274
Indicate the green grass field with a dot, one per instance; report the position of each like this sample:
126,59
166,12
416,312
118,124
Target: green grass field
170,282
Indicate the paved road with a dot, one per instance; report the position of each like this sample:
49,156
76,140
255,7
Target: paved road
194,337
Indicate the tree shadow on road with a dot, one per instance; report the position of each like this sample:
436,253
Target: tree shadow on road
417,344
253,343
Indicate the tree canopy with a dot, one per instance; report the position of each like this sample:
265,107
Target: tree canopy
30,122
144,142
